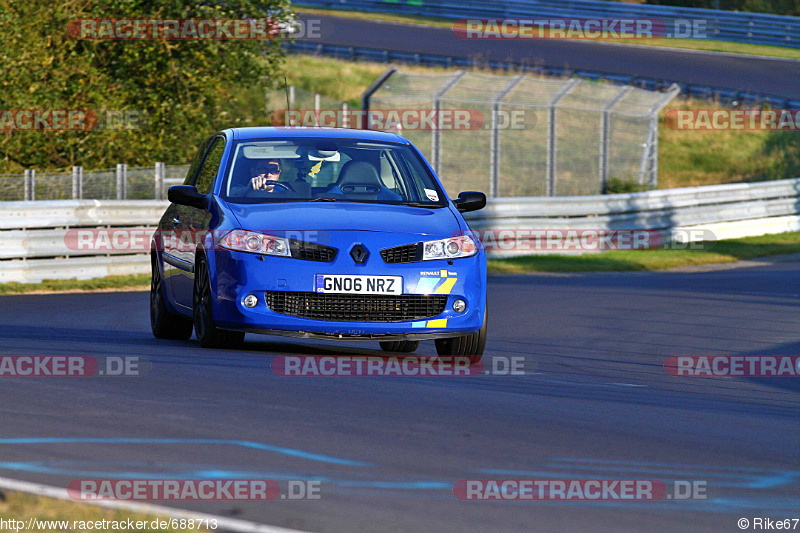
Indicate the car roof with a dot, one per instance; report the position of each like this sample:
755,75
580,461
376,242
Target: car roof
243,134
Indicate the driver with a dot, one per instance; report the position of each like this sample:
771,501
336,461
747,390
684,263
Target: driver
264,171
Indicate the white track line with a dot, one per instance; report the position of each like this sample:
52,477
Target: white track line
223,523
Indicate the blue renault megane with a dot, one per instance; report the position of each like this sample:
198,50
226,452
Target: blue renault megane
320,233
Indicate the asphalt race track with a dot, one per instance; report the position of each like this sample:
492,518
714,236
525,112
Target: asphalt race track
759,74
595,402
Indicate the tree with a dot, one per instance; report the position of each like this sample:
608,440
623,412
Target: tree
174,93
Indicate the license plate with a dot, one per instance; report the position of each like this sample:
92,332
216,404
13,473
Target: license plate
359,284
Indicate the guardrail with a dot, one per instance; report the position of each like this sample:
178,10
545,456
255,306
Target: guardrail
724,95
34,243
753,28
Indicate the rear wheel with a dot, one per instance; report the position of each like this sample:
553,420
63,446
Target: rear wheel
209,335
165,325
471,345
399,346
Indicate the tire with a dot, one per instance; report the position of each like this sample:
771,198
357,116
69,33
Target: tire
399,346
165,325
471,345
209,335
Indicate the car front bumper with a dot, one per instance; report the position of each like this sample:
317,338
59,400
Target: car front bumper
238,274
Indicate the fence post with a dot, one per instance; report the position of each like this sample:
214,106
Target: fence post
436,134
551,135
77,183
27,184
316,109
364,122
122,179
494,149
605,127
159,181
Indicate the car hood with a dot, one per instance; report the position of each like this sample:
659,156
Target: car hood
347,216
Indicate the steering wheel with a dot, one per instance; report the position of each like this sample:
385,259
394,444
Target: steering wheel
368,187
281,184
251,191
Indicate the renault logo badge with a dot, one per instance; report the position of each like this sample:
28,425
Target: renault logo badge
358,253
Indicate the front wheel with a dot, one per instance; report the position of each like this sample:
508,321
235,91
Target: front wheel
399,346
471,345
209,335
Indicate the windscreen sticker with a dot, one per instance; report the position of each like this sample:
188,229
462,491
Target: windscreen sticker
432,195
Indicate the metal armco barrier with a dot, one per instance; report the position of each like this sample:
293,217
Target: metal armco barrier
33,246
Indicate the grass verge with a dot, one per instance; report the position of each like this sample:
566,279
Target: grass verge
719,252
136,281
21,506
686,44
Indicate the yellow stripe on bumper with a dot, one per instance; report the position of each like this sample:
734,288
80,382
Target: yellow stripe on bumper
445,287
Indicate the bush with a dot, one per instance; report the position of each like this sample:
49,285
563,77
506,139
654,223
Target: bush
182,91
619,185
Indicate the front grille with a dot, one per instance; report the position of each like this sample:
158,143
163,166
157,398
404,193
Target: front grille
409,253
356,307
309,251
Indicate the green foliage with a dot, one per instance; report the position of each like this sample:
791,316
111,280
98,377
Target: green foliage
619,185
182,90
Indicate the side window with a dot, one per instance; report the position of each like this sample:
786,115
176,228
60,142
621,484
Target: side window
207,173
196,161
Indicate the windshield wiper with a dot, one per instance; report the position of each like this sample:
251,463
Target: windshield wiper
324,199
419,204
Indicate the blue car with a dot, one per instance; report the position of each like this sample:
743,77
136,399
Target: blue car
318,233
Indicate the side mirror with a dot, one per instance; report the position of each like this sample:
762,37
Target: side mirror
470,201
187,195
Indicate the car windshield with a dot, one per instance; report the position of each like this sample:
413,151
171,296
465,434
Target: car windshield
329,170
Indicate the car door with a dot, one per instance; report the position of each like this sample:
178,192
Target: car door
171,244
192,222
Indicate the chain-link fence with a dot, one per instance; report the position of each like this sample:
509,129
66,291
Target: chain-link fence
525,136
120,183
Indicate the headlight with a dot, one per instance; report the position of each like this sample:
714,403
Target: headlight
256,243
451,248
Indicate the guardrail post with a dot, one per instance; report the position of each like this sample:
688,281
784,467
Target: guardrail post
436,134
77,183
605,126
494,148
551,135
122,179
159,181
